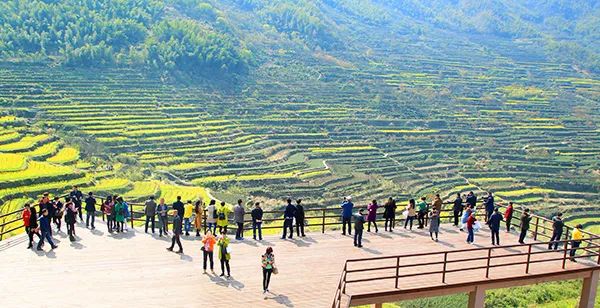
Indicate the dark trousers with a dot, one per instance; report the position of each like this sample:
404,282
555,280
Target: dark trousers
300,227
358,237
266,278
222,229
488,214
79,211
369,225
470,236
421,218
150,220
348,221
57,221
211,226
522,235
208,255
239,233
508,223
46,236
164,224
90,216
109,223
288,224
176,239
392,223
257,226
225,264
457,215
496,237
554,240
71,229
30,232
408,220
574,246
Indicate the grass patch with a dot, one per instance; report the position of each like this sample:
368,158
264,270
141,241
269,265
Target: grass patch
12,162
65,155
523,192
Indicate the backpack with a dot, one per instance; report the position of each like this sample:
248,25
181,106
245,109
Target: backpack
215,214
221,216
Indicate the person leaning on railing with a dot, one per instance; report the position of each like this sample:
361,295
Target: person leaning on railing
508,215
411,213
525,220
457,208
576,238
557,230
422,214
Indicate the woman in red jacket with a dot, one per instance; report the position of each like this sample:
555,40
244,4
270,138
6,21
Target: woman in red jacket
470,223
508,216
30,222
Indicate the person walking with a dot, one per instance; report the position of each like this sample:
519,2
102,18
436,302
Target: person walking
525,220
44,227
198,212
466,216
71,218
108,210
238,216
288,219
457,208
557,231
163,217
372,215
177,231
90,210
347,207
150,212
58,210
359,222
223,217
576,239
211,217
119,214
268,266
76,197
422,208
257,215
208,247
188,212
30,222
494,223
389,214
411,213
489,207
434,223
470,227
508,215
224,254
179,207
299,218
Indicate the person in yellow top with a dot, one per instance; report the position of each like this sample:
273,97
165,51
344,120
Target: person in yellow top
223,217
188,210
576,241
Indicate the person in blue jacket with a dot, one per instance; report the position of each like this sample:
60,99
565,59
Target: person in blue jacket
288,216
45,228
489,207
347,207
494,223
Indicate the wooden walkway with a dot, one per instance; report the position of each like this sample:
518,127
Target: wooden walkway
134,269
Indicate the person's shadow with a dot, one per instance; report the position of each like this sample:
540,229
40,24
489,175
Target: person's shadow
372,251
281,299
185,257
77,245
97,232
224,282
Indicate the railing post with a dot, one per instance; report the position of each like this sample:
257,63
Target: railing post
565,247
397,270
323,223
444,269
528,259
537,222
487,268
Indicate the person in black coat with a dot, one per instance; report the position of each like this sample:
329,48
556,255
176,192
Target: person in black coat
177,230
557,230
76,197
288,216
90,210
299,218
359,222
389,214
178,206
457,209
494,223
525,220
257,216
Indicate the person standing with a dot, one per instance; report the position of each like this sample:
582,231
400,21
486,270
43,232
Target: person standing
347,207
494,223
576,239
90,210
150,212
119,209
288,219
472,200
127,213
30,222
108,211
470,227
300,218
268,265
224,254
434,223
489,207
211,217
177,231
422,207
223,217
188,211
58,213
557,231
44,202
163,217
438,203
389,214
76,197
508,215
208,247
372,215
411,213
457,208
71,218
238,217
359,222
257,215
525,220
178,206
45,227
198,212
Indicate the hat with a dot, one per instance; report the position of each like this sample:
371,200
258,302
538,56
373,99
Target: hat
349,198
